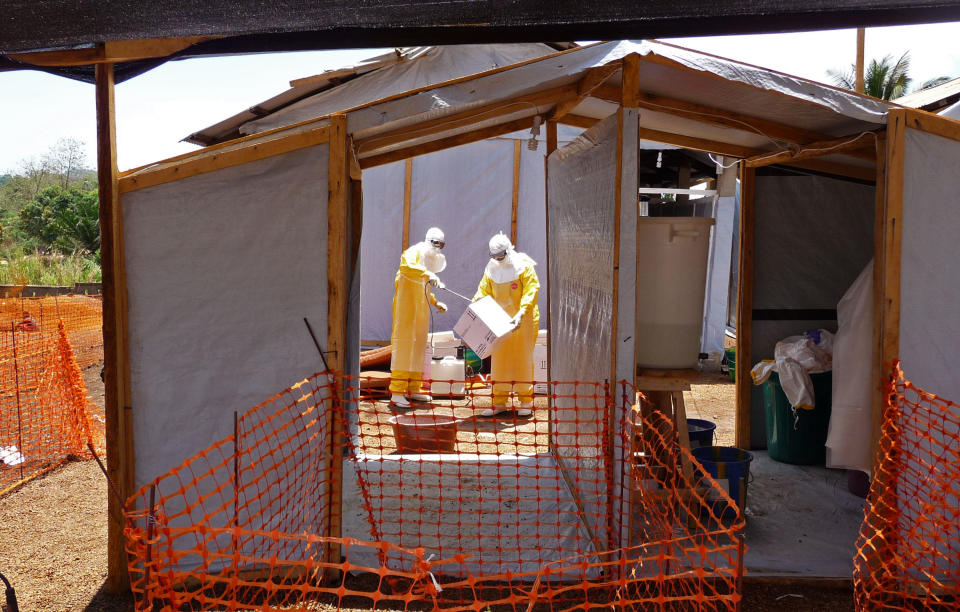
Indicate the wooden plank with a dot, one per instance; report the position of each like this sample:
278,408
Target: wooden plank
337,297
579,121
879,220
407,182
551,136
656,383
715,116
861,173
862,145
444,143
683,434
201,165
745,307
515,203
594,78
113,51
120,466
368,146
629,93
892,240
932,124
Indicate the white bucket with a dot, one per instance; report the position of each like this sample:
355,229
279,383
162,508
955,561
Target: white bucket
442,371
671,280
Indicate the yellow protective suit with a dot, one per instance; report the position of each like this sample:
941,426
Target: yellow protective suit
513,359
412,299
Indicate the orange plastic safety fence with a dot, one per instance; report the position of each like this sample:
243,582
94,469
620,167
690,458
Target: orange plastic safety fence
45,415
586,501
908,553
82,316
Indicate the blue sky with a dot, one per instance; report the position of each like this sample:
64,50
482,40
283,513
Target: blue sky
157,109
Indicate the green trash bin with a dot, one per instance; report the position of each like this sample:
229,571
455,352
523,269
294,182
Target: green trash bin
799,440
731,354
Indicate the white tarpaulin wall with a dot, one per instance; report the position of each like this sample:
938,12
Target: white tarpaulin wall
221,270
929,324
813,235
467,191
582,196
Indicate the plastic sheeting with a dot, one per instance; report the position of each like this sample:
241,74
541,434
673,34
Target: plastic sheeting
812,237
430,66
582,197
221,270
718,276
851,417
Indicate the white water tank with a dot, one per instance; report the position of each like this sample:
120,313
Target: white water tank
672,257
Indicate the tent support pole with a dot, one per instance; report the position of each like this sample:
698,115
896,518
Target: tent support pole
745,306
116,366
407,182
517,144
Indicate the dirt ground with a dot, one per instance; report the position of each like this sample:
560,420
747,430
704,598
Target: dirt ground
53,534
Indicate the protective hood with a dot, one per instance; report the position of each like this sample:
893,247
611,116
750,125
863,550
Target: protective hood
510,269
433,259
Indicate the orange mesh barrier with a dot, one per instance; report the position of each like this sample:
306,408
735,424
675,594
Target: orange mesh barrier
588,502
45,415
82,315
908,553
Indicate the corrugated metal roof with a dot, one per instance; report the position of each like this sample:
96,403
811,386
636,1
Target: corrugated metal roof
932,98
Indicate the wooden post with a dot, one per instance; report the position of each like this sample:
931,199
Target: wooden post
858,85
551,135
879,257
407,182
338,287
116,366
745,306
517,147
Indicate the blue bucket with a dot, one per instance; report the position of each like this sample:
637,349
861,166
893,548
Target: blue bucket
701,432
727,463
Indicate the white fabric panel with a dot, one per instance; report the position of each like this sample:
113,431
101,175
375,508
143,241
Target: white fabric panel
221,270
380,245
929,326
436,65
468,193
532,218
582,197
626,332
851,416
929,275
718,276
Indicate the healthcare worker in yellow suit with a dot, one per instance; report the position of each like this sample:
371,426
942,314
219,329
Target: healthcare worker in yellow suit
511,280
412,298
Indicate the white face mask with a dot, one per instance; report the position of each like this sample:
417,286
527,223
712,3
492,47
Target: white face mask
434,260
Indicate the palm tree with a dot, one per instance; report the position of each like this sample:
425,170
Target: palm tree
884,79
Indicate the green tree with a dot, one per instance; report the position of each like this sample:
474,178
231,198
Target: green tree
65,220
884,78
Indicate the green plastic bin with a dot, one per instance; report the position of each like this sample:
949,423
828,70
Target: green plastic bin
800,441
732,362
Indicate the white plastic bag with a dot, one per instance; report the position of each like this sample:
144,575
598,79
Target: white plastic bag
795,358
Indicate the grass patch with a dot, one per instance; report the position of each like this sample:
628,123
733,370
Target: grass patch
18,267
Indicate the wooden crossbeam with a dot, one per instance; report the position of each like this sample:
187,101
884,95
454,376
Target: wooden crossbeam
846,145
594,78
111,51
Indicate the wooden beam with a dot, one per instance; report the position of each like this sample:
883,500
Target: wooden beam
338,284
745,307
578,121
219,159
593,79
716,116
864,144
424,129
444,143
892,238
116,369
517,148
551,137
111,51
629,94
407,182
932,124
879,371
355,170
858,68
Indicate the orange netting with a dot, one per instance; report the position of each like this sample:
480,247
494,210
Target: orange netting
45,415
82,316
588,502
908,553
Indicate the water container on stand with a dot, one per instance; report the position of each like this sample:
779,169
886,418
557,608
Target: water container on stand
672,257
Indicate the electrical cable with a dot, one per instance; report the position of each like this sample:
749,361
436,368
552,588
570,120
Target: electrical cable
11,595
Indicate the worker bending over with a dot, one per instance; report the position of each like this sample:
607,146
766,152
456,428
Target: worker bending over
510,279
419,266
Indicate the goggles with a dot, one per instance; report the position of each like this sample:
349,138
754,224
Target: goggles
438,243
499,256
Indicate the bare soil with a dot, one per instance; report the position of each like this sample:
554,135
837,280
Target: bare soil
53,530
